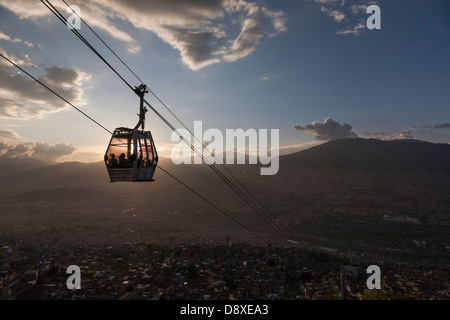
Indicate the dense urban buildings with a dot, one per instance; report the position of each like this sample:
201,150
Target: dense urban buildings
209,272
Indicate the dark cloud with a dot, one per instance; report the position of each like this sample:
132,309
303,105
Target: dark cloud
15,151
438,126
182,9
60,76
24,98
328,130
36,150
198,48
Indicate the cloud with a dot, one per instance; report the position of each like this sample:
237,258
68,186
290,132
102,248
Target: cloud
14,146
35,150
23,60
23,98
51,153
328,130
351,16
9,135
26,9
201,30
438,126
3,36
401,136
251,32
408,133
64,77
358,8
204,32
335,14
8,151
356,30
390,135
325,1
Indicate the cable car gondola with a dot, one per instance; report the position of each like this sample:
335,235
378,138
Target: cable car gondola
131,154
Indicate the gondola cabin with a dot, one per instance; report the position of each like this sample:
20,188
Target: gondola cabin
131,156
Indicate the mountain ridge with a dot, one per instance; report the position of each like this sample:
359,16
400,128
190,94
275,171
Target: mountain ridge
335,193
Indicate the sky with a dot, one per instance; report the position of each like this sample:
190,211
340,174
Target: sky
310,68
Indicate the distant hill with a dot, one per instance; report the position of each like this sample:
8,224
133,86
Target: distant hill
334,157
10,166
319,193
372,154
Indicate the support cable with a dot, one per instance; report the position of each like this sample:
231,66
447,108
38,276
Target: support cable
239,192
164,170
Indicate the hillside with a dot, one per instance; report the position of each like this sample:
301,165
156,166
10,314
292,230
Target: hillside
370,154
338,194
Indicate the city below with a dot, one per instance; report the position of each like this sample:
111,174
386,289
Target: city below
210,272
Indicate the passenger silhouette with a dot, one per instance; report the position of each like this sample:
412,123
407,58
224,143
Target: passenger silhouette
113,161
